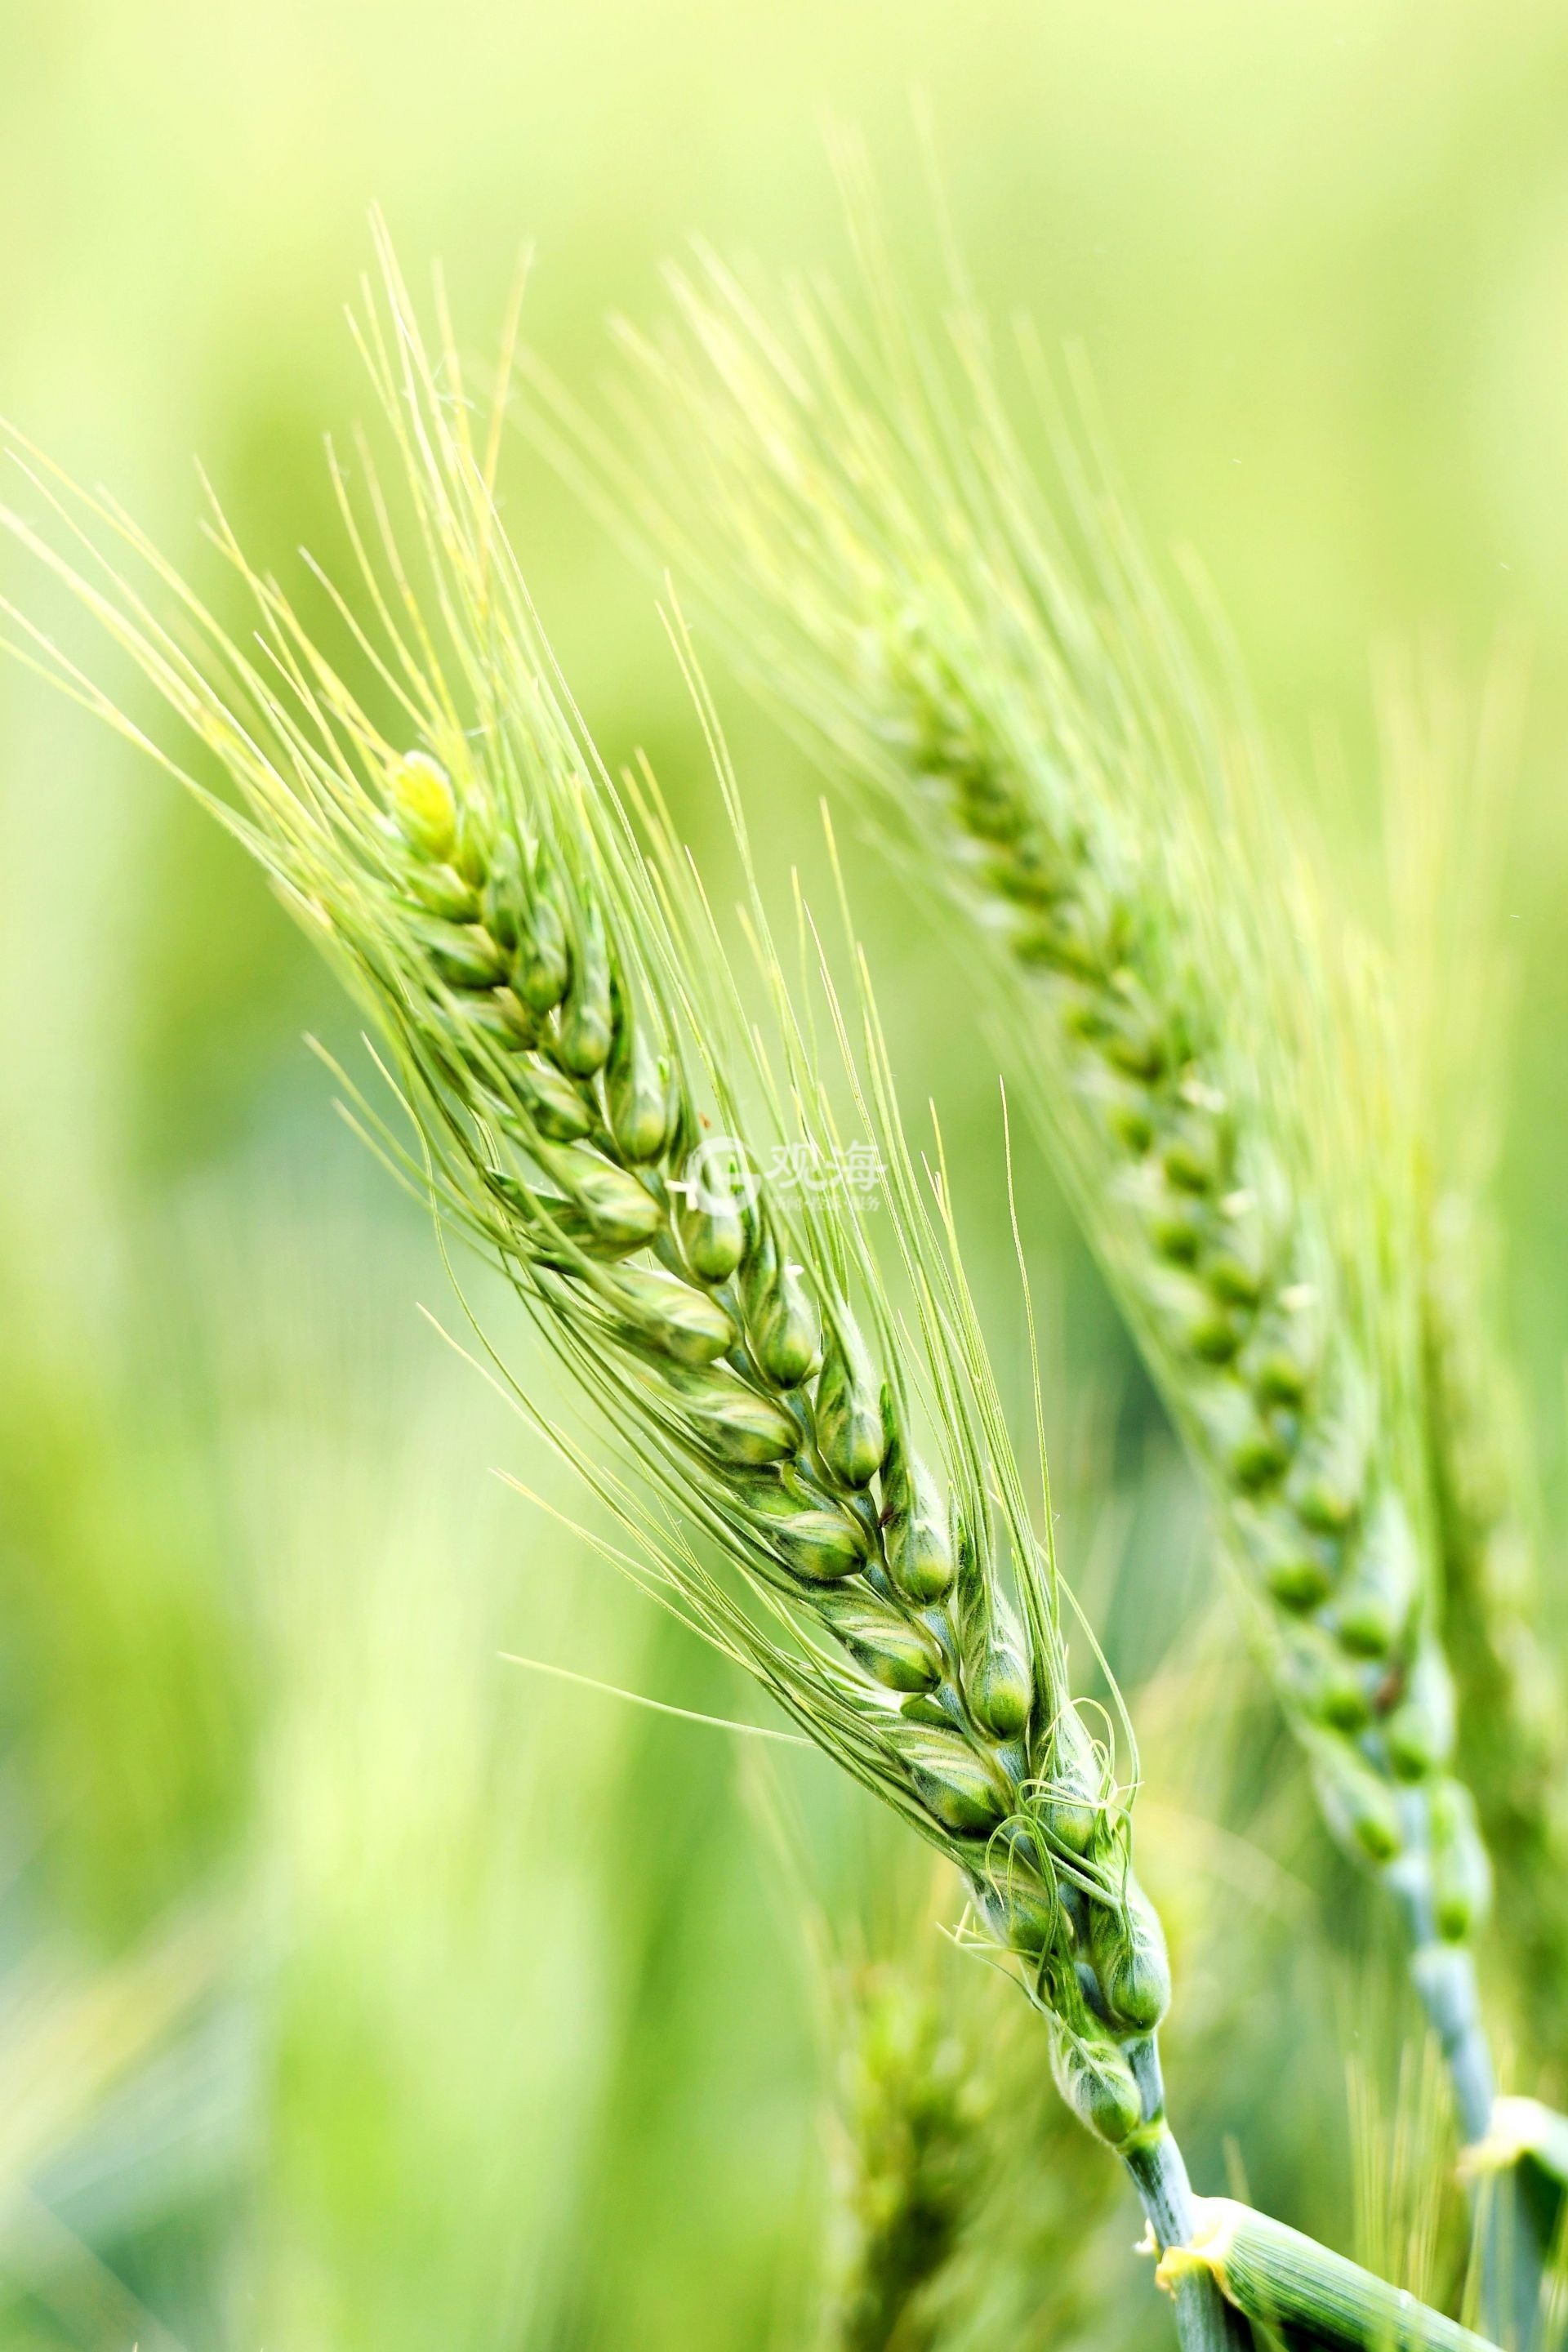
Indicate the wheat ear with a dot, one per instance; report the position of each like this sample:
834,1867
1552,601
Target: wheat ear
1448,764
1022,720
549,982
1516,1747
555,998
909,2160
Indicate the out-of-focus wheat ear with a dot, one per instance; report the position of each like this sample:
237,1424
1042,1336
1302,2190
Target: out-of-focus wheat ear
991,668
1449,765
909,2159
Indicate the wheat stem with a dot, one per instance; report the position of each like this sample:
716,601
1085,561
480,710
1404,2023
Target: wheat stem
1514,2251
1204,2321
1288,2283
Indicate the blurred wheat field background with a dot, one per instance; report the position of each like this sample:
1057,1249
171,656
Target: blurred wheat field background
322,2023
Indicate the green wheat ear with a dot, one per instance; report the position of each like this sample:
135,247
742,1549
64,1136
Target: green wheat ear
537,955
909,2166
1007,697
589,1110
1449,767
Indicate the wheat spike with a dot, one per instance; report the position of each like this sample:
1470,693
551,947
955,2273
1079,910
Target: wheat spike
535,949
1006,695
1448,765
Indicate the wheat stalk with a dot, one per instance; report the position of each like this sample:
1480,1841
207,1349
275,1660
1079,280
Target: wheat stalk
1021,720
1285,2284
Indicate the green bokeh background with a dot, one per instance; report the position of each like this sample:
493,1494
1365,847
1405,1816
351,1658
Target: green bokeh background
487,2023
